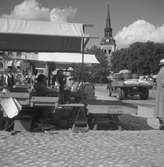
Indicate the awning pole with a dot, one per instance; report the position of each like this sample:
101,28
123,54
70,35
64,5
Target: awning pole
82,64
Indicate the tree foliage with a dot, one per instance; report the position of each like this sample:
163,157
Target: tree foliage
94,72
99,72
141,58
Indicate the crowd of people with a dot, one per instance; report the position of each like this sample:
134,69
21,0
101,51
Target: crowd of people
39,84
8,78
11,78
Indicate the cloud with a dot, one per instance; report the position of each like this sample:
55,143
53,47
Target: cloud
62,15
139,31
33,10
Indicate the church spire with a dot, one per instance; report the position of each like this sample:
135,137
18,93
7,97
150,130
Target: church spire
107,43
108,29
108,23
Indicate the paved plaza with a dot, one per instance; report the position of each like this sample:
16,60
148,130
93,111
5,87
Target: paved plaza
91,149
136,146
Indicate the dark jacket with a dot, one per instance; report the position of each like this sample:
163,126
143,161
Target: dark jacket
10,80
40,89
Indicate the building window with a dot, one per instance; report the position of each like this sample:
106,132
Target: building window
109,51
105,51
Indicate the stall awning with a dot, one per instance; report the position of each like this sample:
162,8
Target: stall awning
39,36
62,57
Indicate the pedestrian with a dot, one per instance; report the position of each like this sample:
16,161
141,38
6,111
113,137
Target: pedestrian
109,86
159,107
53,79
19,77
2,80
61,79
10,79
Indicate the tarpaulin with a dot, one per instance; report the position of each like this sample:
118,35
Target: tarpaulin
61,57
39,36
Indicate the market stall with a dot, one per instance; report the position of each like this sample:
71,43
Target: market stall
41,36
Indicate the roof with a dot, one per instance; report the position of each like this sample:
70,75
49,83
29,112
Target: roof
62,57
41,36
17,26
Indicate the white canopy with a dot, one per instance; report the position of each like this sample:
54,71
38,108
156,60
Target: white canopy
40,36
16,26
59,57
67,57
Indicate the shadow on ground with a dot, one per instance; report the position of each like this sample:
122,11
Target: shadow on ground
110,102
129,122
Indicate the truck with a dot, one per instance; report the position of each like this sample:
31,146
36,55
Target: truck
123,85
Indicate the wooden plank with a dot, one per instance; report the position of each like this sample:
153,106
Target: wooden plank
72,105
43,101
19,95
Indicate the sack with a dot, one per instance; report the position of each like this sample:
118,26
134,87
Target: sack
153,122
11,107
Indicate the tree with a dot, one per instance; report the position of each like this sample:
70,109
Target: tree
141,58
99,72
95,72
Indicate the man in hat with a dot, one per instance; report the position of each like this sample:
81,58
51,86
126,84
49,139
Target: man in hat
41,89
159,107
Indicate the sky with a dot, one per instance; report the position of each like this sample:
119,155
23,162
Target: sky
131,20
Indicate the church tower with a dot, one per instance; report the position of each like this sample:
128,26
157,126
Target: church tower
107,43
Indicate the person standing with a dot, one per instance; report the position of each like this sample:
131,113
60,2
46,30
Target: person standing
61,79
159,105
53,79
10,78
19,77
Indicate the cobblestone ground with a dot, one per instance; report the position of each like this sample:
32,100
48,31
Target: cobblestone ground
91,149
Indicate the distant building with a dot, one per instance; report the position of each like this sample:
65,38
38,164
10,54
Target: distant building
107,43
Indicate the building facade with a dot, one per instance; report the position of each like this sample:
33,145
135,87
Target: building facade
107,43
